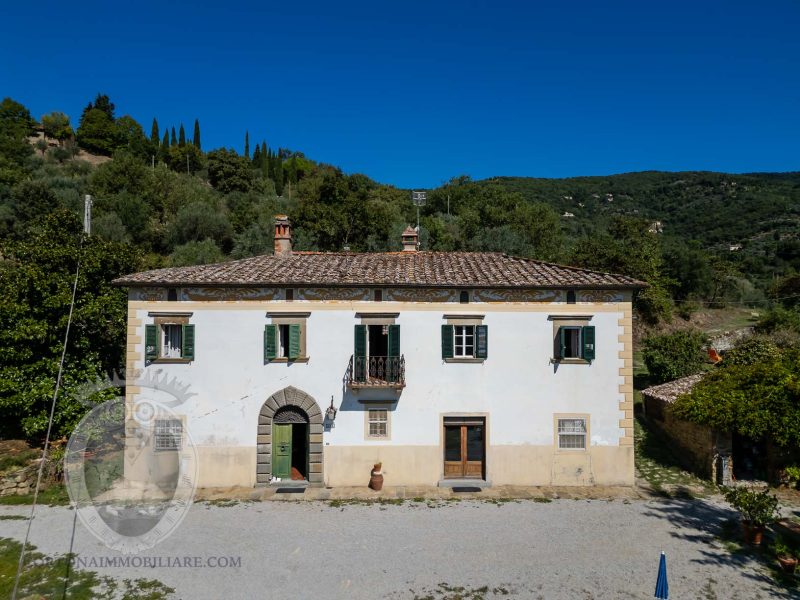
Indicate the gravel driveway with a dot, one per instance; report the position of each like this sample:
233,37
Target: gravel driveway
562,549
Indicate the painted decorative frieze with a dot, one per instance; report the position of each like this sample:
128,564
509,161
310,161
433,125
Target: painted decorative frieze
333,294
422,295
600,296
518,295
149,294
229,294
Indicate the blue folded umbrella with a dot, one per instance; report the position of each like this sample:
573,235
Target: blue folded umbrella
662,587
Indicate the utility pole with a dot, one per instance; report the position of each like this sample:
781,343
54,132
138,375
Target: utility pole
418,198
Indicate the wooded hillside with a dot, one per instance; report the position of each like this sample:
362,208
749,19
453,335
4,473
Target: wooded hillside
163,199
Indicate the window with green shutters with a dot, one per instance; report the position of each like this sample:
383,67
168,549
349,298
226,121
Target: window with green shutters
284,341
576,342
465,341
169,340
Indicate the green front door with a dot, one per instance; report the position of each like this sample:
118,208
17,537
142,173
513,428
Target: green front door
281,450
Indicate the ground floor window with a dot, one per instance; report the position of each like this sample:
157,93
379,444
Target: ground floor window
378,423
572,434
168,434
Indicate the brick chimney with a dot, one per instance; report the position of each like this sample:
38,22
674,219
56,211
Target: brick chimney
410,238
283,236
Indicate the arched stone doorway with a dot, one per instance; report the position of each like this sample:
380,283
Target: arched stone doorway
284,408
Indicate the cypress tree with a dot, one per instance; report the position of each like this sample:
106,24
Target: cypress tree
278,175
257,156
182,137
163,151
264,160
196,139
173,140
247,144
154,137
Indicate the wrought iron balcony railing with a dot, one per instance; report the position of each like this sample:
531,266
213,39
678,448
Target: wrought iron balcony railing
377,371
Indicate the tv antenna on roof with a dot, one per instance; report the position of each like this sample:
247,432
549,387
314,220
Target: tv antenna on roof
419,198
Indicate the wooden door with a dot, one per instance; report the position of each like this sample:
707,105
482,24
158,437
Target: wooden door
464,450
281,450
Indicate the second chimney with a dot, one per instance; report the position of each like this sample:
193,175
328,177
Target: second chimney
283,236
410,238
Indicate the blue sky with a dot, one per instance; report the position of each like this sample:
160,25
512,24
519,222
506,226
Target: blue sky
414,93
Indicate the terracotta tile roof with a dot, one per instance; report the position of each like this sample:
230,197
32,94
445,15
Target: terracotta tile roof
399,269
669,392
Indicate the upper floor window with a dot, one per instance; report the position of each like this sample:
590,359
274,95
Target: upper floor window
571,297
378,295
576,342
573,338
285,337
169,338
172,341
289,294
464,341
465,337
172,295
463,297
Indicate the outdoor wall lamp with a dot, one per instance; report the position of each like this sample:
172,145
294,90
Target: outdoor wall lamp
330,413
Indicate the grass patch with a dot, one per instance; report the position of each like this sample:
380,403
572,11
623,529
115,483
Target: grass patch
656,463
445,591
222,503
18,460
542,500
13,518
54,495
53,577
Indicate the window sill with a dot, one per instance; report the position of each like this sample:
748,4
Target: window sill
299,359
465,360
171,361
572,361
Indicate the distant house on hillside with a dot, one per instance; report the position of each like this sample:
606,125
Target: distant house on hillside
446,367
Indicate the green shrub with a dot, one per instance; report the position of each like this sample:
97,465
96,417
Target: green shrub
674,355
757,508
751,351
778,319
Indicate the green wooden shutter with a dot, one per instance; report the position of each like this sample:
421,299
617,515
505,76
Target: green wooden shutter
562,342
588,342
360,353
447,341
394,340
481,341
294,341
187,351
393,360
150,343
270,342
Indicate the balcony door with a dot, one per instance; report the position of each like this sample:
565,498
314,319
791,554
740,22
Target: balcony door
464,447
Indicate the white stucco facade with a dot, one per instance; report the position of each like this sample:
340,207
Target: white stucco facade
518,389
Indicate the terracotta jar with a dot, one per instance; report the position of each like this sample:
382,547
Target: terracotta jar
788,563
376,477
753,534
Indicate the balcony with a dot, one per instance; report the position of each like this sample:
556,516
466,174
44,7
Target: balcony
376,372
